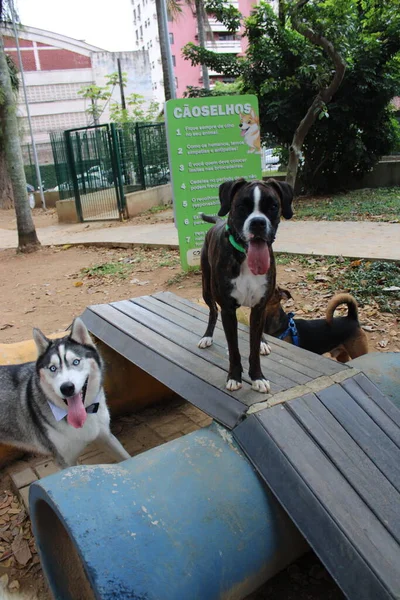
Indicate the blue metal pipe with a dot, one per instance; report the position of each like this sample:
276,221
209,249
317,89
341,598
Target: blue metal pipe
188,520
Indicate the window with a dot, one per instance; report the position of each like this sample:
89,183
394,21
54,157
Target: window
174,60
151,43
137,35
171,38
152,65
176,82
141,31
134,14
227,37
138,11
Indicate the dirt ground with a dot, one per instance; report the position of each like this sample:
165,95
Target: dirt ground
47,289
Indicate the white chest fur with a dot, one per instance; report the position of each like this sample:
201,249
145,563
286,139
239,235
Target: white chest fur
248,289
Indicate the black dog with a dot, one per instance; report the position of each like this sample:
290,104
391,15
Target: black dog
238,267
342,337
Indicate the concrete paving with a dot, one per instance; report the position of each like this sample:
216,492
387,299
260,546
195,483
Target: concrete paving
358,239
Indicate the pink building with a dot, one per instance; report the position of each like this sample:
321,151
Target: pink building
184,30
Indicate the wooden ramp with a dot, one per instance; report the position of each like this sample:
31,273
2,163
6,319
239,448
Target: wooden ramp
325,440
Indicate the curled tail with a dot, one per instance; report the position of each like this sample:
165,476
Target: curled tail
210,219
342,299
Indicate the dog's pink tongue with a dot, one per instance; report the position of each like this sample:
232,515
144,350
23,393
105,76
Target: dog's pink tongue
258,257
76,411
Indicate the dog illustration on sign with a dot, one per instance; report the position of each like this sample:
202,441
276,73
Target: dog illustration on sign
250,131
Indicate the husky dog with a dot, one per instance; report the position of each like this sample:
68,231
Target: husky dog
57,404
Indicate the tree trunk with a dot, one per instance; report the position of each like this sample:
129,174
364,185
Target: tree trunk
164,40
6,194
202,40
27,239
323,97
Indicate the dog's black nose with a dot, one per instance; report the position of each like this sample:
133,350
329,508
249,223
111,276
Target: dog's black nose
258,225
67,389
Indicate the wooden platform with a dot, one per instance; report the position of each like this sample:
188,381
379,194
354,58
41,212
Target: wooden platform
326,440
160,333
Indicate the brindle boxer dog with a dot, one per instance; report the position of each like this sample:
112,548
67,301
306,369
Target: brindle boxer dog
238,267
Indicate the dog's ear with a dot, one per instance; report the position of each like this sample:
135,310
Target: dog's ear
41,341
284,294
285,192
227,190
80,334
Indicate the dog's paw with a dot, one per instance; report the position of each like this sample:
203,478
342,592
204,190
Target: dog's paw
265,349
261,385
205,342
232,385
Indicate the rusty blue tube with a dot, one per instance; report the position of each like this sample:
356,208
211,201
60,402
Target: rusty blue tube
187,520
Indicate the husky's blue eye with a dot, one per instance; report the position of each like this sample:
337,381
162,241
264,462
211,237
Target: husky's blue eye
53,368
76,362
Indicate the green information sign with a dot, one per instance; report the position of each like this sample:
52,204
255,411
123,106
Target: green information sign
210,140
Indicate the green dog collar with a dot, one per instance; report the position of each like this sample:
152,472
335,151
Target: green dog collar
234,242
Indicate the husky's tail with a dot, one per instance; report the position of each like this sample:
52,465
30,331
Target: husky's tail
210,219
348,299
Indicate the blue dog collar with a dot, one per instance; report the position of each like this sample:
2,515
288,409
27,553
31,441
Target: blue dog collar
291,330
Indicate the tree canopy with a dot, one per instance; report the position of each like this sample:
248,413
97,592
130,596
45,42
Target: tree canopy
286,68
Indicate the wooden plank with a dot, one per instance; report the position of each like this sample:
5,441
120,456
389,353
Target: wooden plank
383,401
125,337
317,521
352,462
180,338
366,433
318,364
280,374
373,410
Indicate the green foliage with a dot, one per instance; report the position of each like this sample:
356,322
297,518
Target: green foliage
100,97
220,89
135,111
225,12
286,71
381,204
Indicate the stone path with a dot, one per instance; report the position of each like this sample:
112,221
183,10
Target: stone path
357,239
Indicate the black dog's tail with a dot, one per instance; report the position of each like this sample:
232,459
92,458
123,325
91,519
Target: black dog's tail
342,299
210,219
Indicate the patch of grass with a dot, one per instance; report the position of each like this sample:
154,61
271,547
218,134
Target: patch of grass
266,173
111,269
182,275
368,281
381,204
283,259
156,209
169,259
371,281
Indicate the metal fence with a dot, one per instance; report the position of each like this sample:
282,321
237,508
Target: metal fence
46,166
127,157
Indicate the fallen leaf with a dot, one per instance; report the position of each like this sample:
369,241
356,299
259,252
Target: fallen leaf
21,550
4,580
322,278
355,263
383,343
6,326
392,288
78,283
66,246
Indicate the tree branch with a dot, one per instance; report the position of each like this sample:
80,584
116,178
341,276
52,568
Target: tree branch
323,97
